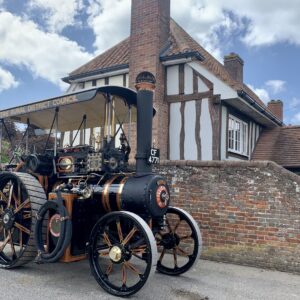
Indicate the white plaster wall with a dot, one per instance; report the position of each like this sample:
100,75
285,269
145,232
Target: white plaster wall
173,80
190,146
127,80
202,86
174,131
223,132
188,80
101,82
88,85
116,80
219,86
206,131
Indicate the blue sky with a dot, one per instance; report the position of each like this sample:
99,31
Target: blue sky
43,40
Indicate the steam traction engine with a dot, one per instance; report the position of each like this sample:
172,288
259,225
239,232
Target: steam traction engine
75,201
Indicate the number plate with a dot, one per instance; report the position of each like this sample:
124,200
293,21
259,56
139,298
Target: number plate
154,157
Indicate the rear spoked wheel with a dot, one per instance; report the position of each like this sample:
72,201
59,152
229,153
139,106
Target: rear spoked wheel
122,253
179,244
21,196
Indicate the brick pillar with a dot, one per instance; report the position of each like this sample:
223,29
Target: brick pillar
150,27
276,107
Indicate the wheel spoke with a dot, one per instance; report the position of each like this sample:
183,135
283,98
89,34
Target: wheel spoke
169,225
124,275
132,268
139,251
4,244
14,255
22,228
120,233
175,258
21,206
10,195
27,216
182,252
109,269
176,226
106,239
162,255
129,236
103,252
3,196
185,237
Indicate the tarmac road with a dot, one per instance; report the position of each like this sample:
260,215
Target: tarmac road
209,280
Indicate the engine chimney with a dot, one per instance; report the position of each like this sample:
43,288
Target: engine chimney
145,85
234,66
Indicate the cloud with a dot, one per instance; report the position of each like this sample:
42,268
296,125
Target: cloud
7,80
276,86
56,13
261,93
110,22
46,55
293,104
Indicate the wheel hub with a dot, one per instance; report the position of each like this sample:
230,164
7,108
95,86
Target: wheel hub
115,254
169,240
8,219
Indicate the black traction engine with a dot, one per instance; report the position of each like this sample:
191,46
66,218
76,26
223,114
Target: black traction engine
73,202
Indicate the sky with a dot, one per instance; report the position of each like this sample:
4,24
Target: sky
42,41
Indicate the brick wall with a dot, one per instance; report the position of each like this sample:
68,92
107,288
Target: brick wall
249,212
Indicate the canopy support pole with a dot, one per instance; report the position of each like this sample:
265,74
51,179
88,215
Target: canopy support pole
27,137
55,121
83,122
56,131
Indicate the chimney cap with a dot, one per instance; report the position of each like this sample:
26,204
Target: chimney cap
273,101
233,56
145,81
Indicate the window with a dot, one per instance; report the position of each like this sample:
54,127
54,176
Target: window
94,82
237,136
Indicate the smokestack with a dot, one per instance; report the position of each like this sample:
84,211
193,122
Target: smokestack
145,85
276,107
234,66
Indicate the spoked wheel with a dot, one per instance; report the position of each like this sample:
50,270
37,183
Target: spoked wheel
179,244
122,253
21,195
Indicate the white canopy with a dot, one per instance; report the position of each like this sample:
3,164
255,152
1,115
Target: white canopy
72,108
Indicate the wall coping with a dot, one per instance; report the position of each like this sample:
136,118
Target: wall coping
232,164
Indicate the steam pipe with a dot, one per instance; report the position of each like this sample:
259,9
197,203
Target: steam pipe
145,85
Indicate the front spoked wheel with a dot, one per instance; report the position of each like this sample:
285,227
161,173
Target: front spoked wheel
179,244
21,195
122,253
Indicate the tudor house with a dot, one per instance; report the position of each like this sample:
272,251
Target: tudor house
204,110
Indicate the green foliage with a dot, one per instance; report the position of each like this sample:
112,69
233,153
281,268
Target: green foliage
6,150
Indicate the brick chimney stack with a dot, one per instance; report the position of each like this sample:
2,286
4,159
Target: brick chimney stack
234,66
276,107
150,28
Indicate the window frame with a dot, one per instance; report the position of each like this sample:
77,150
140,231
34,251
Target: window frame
239,138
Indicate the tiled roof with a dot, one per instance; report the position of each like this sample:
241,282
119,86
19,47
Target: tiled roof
180,42
281,144
115,56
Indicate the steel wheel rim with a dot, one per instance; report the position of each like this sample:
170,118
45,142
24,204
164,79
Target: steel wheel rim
174,248
15,220
135,241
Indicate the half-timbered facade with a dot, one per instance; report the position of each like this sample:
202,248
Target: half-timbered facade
204,110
